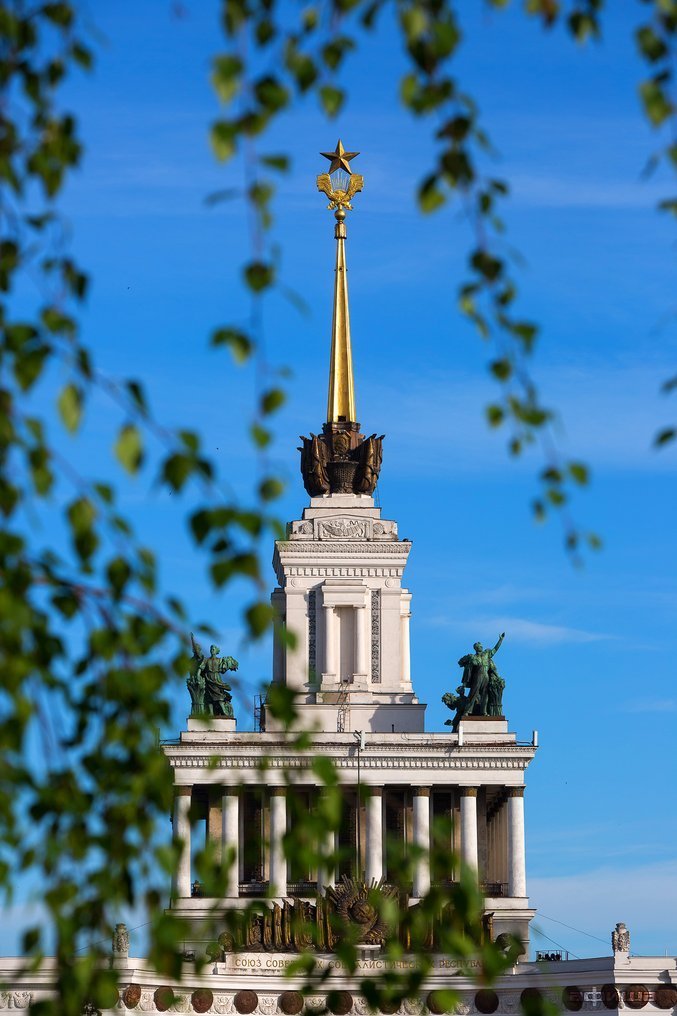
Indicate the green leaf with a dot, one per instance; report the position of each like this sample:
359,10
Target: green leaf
136,394
118,574
70,407
280,701
487,265
579,472
81,515
665,436
501,369
237,341
651,45
301,66
271,94
129,448
656,103
668,205
495,415
430,197
272,400
278,162
259,276
259,617
60,14
260,435
270,488
226,76
223,137
332,99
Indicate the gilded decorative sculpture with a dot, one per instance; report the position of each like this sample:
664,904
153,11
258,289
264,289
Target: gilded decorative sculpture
340,460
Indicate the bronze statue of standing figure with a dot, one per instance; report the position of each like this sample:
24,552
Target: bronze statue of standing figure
484,696
209,694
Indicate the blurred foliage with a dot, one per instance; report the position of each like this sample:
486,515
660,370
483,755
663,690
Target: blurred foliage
90,652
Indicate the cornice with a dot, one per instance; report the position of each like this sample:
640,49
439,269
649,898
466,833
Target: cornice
345,548
514,760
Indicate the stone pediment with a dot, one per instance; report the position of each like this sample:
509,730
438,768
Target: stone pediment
343,527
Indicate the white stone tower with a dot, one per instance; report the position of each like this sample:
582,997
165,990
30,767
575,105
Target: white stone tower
340,591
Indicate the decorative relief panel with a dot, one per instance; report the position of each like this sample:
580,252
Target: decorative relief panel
15,999
343,529
376,636
223,1003
312,635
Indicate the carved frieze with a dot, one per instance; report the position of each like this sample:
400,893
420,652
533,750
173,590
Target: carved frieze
15,999
389,762
376,636
341,527
363,548
312,634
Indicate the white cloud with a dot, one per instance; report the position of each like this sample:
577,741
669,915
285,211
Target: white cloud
608,416
649,706
523,629
645,897
546,191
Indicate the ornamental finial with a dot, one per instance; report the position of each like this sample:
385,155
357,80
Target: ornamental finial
340,183
340,460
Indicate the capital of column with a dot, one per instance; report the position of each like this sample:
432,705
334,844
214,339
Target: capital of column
422,791
516,791
469,791
374,791
183,791
278,791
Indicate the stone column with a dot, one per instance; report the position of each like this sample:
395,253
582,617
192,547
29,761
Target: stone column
360,641
504,842
214,823
277,862
405,617
278,603
469,827
517,875
330,639
230,839
491,865
421,821
374,859
181,832
327,875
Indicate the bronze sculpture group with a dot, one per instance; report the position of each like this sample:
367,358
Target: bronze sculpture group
480,692
209,694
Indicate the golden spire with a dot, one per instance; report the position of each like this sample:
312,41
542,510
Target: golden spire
340,184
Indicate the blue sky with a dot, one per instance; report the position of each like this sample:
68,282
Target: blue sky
588,657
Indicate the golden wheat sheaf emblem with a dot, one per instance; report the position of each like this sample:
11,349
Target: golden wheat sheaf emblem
360,906
340,198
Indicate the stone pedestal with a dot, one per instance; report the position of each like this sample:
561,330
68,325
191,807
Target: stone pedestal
222,724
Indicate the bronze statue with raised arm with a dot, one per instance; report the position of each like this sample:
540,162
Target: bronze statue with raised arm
484,683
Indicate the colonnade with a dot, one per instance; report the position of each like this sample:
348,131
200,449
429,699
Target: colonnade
501,833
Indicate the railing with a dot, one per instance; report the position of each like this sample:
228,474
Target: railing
302,888
553,956
494,889
253,888
309,888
